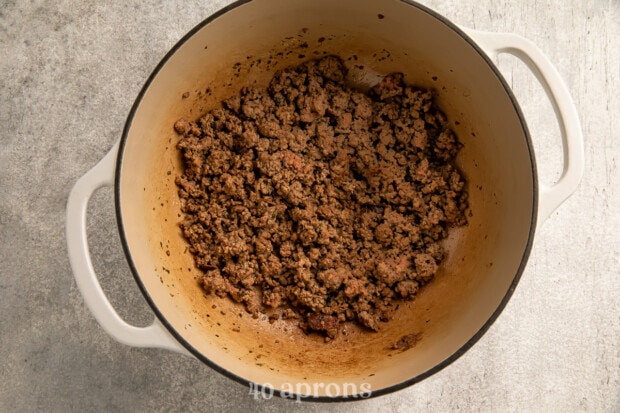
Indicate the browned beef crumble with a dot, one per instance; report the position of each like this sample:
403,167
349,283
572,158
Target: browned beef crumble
319,202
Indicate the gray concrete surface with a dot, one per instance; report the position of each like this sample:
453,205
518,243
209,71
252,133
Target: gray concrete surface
69,72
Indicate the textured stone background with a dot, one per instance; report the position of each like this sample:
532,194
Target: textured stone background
69,72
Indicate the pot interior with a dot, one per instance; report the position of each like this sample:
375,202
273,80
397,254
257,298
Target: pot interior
245,45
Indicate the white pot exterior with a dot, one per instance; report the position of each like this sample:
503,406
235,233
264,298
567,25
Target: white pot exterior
244,45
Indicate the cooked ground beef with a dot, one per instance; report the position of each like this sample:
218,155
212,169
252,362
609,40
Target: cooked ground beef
317,201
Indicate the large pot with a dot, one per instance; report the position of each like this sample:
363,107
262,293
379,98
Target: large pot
244,44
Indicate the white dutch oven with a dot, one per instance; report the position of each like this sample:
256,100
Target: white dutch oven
244,44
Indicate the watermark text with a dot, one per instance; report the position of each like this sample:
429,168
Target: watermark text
302,391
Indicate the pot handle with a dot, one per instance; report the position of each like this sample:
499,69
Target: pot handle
551,196
155,335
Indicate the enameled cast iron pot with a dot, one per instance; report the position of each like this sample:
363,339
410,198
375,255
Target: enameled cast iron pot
244,44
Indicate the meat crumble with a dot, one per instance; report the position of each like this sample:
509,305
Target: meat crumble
313,201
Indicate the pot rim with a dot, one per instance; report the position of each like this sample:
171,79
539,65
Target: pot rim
271,391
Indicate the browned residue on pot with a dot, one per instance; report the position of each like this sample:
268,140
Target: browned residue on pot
407,341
